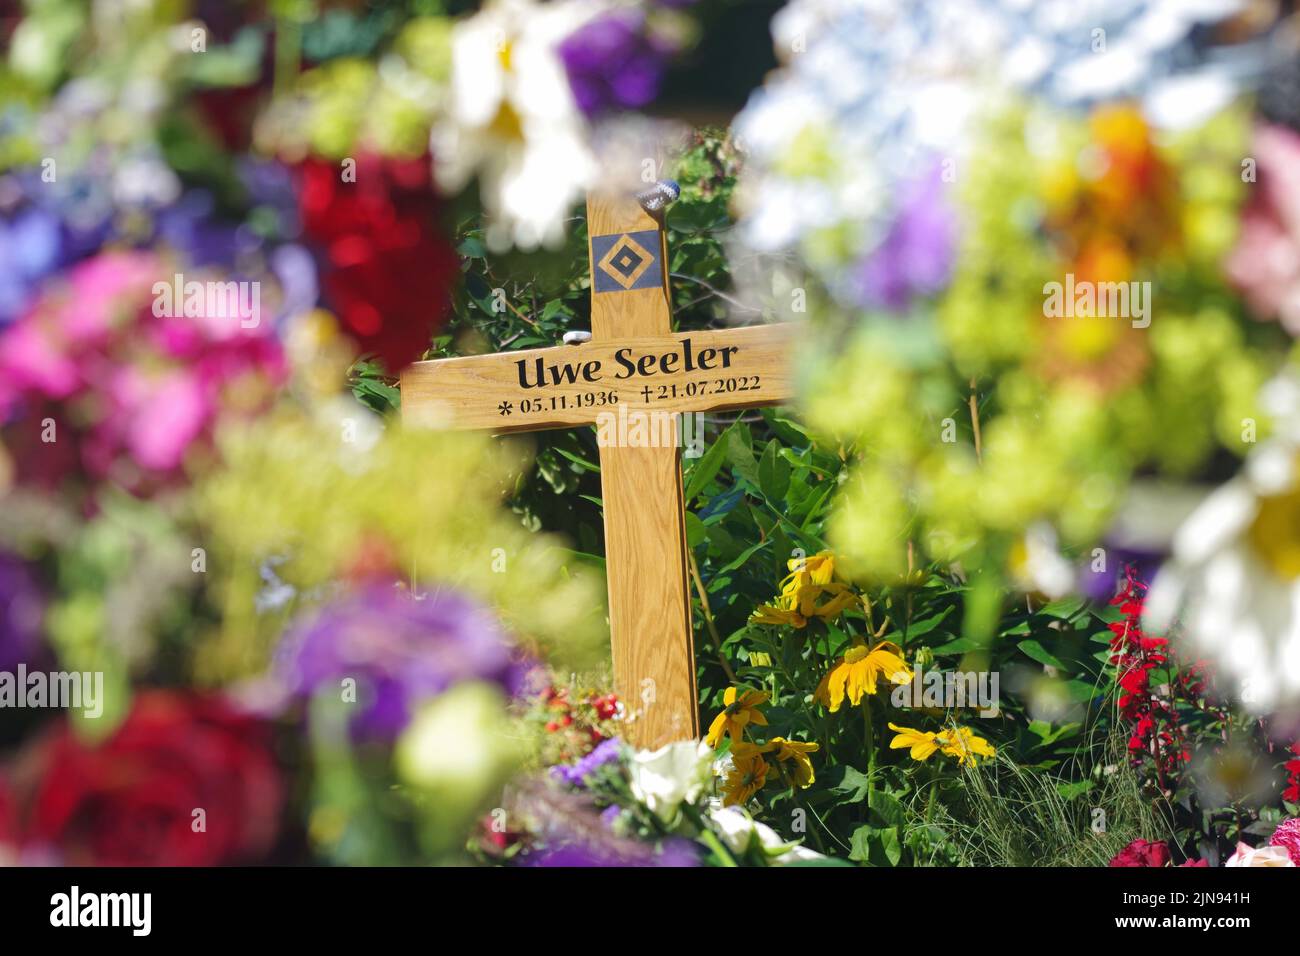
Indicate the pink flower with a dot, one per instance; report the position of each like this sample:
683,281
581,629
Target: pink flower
50,349
1287,836
33,357
1142,853
1267,856
131,390
162,417
1265,265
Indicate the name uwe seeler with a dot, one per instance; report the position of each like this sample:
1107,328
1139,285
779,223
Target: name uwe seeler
629,364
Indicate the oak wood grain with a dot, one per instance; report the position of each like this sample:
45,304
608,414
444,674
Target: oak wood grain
645,531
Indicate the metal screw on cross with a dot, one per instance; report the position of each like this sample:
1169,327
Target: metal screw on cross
635,362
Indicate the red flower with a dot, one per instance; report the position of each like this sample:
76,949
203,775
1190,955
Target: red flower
1287,835
1142,853
388,272
132,800
1292,793
8,823
1157,733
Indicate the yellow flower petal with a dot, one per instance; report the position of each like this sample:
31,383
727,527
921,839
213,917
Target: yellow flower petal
922,743
716,730
862,677
831,689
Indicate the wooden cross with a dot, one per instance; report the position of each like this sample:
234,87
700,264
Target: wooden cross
633,375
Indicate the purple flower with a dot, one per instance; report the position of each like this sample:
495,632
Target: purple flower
295,270
270,189
30,248
917,253
399,650
609,816
21,610
1102,585
191,226
575,775
614,62
675,852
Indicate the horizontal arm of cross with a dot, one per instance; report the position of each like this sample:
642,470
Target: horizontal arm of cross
565,386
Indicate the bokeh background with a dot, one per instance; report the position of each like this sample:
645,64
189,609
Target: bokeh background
323,638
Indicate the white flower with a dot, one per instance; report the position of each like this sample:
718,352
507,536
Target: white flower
666,778
738,830
869,90
1038,564
459,744
1233,579
1264,856
512,119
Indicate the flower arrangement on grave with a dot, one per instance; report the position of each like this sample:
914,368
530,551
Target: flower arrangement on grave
1007,577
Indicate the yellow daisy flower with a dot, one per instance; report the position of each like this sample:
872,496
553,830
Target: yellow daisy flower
747,776
922,742
817,570
775,614
797,607
740,710
809,579
961,742
793,751
858,672
796,753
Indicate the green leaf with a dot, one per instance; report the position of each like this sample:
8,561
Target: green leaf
1069,791
860,844
879,847
1064,609
741,455
1047,736
696,533
851,782
582,557
773,474
1082,691
1039,653
888,808
891,845
580,462
815,510
788,430
704,468
959,646
744,556
926,625
377,395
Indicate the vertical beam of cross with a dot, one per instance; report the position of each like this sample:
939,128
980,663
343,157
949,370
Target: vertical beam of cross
645,530
634,366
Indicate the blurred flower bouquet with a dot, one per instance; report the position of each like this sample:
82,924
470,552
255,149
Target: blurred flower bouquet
308,642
